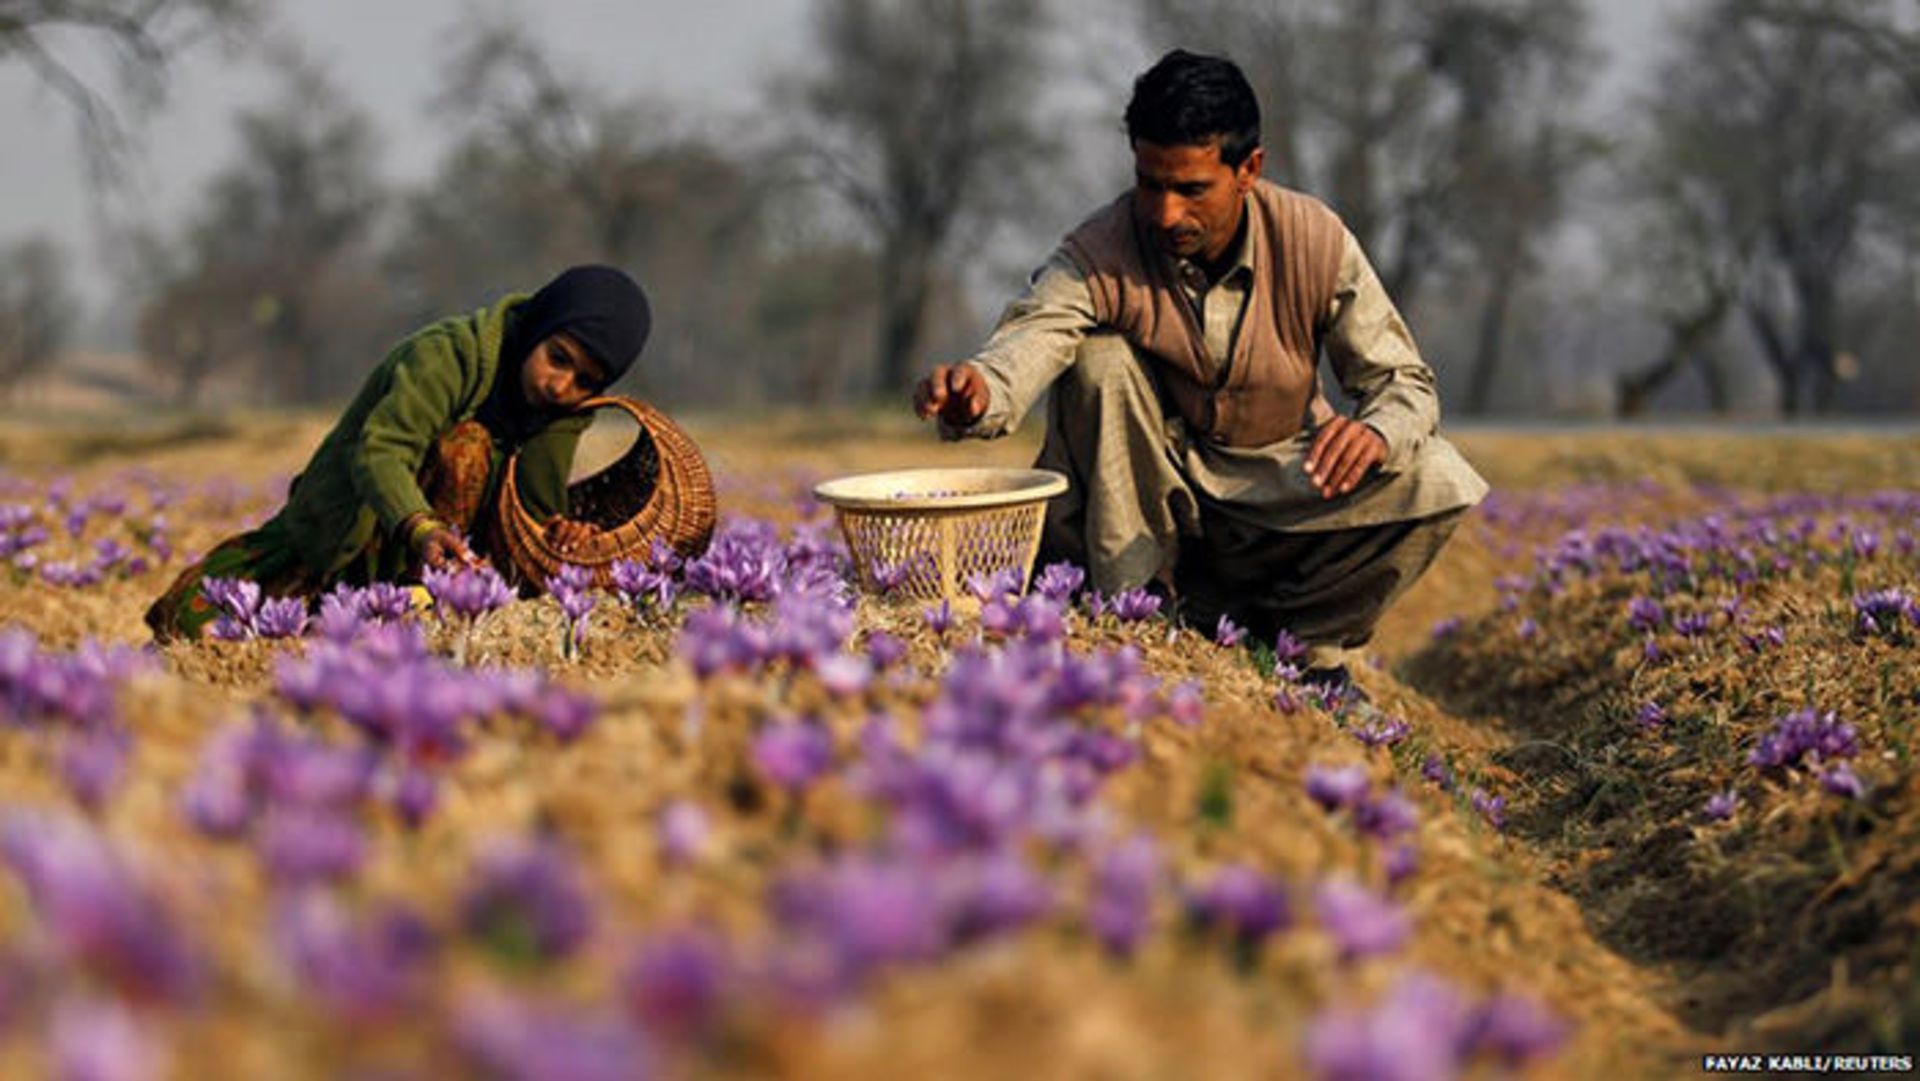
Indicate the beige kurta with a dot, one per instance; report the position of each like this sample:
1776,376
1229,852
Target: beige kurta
1366,343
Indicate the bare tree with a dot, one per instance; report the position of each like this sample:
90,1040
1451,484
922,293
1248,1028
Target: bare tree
1781,146
549,169
142,38
37,309
278,258
921,116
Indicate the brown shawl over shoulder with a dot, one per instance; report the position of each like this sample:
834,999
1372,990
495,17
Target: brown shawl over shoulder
1267,390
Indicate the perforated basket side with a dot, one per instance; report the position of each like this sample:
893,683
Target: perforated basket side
931,555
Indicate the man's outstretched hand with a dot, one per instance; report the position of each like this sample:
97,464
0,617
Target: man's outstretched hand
956,392
1344,451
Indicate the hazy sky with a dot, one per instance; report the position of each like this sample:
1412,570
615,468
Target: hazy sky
712,55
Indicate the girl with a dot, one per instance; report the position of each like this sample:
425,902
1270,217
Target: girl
413,467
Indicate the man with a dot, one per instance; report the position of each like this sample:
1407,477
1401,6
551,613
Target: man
1180,329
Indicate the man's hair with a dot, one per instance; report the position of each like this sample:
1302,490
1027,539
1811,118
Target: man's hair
1186,99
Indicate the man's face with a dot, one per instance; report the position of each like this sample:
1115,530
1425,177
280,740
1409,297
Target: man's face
1189,197
559,375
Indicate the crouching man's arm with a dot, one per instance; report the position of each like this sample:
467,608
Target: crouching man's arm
1374,358
1036,340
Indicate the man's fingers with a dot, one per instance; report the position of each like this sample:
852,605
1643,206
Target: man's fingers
1332,452
1316,453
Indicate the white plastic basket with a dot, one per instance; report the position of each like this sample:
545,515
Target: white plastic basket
924,533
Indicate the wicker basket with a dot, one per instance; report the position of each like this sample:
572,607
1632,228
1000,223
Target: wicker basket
659,489
923,533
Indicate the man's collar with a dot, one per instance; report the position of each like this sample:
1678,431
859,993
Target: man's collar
1236,259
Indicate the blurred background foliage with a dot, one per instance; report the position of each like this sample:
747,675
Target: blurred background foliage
1740,235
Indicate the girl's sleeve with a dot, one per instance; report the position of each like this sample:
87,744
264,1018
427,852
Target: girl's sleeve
545,463
422,395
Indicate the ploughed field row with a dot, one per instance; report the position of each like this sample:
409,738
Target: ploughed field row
729,817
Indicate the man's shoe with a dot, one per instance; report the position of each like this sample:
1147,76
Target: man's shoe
1336,686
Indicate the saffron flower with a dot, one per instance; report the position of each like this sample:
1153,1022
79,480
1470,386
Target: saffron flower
1804,734
1840,780
677,982
1491,808
1058,582
1240,900
1135,605
684,832
1651,717
1335,787
1227,633
1360,922
1720,806
1121,909
793,754
527,902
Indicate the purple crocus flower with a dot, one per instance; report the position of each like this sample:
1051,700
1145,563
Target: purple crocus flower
1121,909
1399,864
1515,1030
1435,770
92,762
96,910
1804,734
1134,605
1651,717
95,1039
1187,704
685,832
1491,808
1417,1032
1227,633
1693,624
1288,650
844,675
1720,806
1361,923
1645,615
282,617
676,983
1058,582
306,845
1242,901
885,650
513,1039
1884,612
792,754
1446,628
528,902
1386,816
566,714
994,895
414,794
1383,731
369,969
237,598
1334,787
467,592
1840,780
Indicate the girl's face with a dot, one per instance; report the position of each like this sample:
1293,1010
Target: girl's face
559,375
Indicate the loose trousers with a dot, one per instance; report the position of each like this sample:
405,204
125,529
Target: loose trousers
1130,516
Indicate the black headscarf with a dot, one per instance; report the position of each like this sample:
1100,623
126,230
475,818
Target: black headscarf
599,307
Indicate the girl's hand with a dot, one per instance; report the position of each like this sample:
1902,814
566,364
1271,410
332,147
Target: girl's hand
440,547
568,535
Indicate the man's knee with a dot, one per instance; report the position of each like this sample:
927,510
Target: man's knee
1105,365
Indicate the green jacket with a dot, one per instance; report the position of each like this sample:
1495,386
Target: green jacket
364,475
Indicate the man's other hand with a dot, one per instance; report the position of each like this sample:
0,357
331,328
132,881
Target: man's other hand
1343,452
957,393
